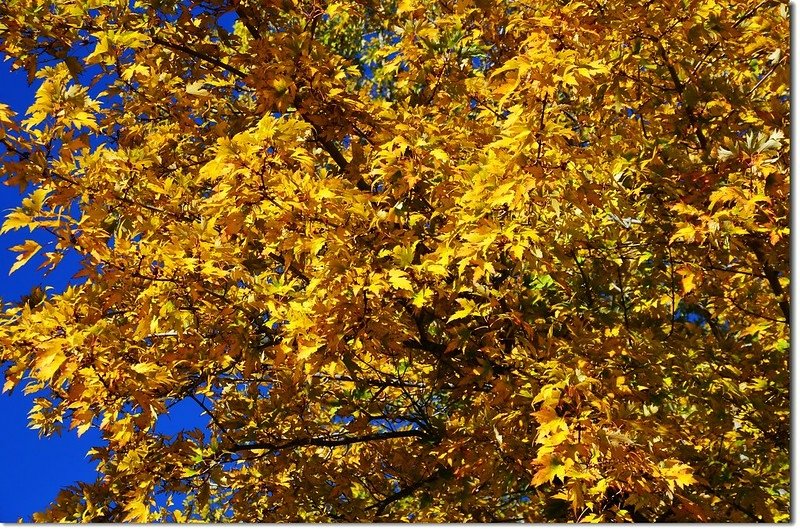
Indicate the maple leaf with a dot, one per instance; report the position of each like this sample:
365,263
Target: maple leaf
26,251
552,468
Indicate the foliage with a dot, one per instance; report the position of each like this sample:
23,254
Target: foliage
431,261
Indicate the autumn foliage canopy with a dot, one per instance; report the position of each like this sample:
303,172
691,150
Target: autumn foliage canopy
414,260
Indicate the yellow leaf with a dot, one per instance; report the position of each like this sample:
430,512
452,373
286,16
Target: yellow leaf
405,6
553,468
83,119
48,363
399,280
35,201
687,278
687,234
436,269
6,114
100,49
467,308
27,250
305,348
440,155
15,220
137,511
421,297
679,474
196,89
145,368
723,195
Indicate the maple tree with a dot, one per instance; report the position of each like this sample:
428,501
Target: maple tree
422,261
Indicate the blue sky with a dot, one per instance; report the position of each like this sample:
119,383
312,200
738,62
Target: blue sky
34,469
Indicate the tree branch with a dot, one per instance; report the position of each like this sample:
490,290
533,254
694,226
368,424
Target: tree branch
372,381
773,278
680,87
541,129
586,284
199,55
245,18
744,510
296,271
405,492
213,417
716,45
330,442
624,305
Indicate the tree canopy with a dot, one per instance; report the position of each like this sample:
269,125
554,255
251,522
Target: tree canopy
454,260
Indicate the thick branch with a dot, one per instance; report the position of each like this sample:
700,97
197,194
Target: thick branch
344,166
244,16
330,442
337,156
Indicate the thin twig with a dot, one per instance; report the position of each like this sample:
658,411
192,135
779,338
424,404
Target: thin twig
765,76
586,284
213,418
672,291
680,87
624,305
541,128
404,492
